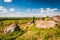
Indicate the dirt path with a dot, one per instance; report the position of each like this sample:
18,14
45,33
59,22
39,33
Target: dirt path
29,24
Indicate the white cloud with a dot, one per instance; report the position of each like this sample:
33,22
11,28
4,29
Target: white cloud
12,9
51,10
54,9
48,10
41,12
7,0
2,9
28,15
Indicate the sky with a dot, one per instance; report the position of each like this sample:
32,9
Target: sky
29,8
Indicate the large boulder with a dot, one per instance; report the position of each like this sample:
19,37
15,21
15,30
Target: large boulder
45,23
11,28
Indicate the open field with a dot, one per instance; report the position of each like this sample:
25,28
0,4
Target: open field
28,31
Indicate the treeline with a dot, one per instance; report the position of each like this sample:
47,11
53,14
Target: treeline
21,18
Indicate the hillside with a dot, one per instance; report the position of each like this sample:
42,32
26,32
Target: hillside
28,29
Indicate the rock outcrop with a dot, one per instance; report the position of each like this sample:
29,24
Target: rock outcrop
11,28
56,18
45,23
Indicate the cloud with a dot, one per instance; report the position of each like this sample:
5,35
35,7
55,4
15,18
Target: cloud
7,0
47,10
28,15
12,9
54,9
41,12
2,9
51,10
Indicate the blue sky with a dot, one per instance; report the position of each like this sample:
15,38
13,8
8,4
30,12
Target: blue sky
29,8
31,3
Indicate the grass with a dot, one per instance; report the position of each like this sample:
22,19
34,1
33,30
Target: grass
33,32
12,35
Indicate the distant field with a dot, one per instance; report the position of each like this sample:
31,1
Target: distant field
33,32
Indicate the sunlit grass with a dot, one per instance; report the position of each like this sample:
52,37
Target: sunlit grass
33,32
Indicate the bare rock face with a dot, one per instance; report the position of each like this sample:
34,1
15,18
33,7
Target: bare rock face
56,18
11,28
45,24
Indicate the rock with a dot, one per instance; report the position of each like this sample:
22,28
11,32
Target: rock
45,24
56,18
11,28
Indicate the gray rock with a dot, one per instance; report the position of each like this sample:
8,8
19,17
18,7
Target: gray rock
11,28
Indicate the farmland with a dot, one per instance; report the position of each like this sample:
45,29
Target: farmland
28,31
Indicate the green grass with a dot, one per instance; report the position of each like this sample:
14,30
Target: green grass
12,35
34,34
